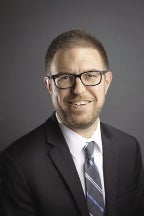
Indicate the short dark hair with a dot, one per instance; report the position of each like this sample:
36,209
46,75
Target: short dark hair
71,39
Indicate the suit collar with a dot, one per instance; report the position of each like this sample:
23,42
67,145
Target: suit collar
62,159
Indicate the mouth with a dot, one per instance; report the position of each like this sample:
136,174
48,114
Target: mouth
79,103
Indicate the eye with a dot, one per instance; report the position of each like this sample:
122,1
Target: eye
65,78
92,74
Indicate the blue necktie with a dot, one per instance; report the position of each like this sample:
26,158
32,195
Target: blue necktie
93,184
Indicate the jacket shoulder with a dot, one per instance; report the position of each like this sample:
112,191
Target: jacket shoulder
120,138
32,142
113,131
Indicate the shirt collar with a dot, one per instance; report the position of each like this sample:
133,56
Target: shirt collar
76,143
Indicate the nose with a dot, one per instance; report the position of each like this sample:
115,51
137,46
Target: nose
78,87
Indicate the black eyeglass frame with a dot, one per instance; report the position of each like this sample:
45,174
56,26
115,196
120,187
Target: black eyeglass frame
53,77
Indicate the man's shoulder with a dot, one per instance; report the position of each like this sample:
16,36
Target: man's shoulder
119,139
116,133
32,142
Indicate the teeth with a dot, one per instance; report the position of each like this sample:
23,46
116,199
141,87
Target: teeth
78,103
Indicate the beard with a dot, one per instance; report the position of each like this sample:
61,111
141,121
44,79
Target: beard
78,120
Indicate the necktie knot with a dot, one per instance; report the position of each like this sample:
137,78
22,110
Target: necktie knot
89,150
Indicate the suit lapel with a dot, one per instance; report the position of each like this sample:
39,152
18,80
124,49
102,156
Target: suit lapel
61,157
110,155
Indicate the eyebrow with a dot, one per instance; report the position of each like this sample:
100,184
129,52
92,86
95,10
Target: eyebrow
68,72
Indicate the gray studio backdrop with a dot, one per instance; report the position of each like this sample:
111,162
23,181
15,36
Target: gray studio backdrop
26,29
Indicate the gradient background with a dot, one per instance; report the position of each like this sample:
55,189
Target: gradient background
26,29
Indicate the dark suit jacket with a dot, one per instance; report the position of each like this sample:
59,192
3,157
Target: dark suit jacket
40,178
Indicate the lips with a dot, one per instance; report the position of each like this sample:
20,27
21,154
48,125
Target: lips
79,103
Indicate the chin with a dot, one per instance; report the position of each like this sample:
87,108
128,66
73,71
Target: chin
79,123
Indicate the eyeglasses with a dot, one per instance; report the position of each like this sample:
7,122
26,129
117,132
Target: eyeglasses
67,80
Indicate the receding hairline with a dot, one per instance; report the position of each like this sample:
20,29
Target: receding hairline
75,39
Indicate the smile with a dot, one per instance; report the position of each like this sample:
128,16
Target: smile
80,103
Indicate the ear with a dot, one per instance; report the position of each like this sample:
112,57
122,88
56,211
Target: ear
47,82
108,79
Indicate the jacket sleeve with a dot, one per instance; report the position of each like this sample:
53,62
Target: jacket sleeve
139,199
15,195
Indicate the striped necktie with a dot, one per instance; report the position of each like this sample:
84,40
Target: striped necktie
93,184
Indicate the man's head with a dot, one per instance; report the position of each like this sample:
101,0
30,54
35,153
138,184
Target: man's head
78,79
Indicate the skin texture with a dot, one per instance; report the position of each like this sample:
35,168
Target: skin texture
78,107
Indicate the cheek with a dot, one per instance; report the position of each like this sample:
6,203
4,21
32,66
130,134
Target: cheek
98,91
102,89
101,97
99,94
54,95
58,97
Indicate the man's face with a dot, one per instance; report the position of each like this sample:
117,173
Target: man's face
78,107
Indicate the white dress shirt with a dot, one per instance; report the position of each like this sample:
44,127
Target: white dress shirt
76,144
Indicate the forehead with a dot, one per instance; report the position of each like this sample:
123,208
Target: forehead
77,59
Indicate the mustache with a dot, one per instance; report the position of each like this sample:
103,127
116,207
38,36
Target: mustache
78,98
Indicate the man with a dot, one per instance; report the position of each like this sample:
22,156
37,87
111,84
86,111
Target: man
47,172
